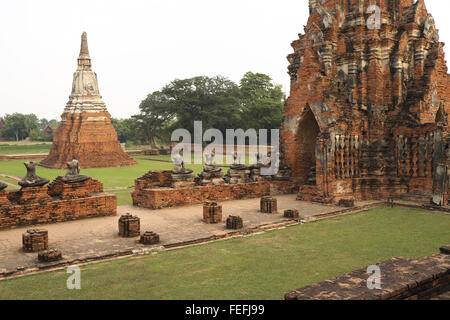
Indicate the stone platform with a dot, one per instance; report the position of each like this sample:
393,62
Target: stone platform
94,239
155,191
58,202
401,279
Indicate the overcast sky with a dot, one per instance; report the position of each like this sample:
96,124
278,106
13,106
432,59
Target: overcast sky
138,46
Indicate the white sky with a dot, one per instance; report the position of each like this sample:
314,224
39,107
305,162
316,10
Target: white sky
138,46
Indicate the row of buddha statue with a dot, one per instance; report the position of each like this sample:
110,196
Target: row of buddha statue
237,173
33,180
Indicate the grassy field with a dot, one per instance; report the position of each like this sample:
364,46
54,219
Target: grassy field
259,267
111,177
30,147
122,177
23,148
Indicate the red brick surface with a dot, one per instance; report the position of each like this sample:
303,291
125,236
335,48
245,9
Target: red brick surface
212,212
367,108
35,240
155,190
401,279
93,143
57,203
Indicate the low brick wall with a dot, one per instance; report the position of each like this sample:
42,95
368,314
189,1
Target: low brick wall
56,203
158,198
401,279
155,190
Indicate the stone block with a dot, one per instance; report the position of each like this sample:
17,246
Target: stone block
149,238
235,223
291,214
445,250
268,205
50,255
129,226
212,212
347,203
35,240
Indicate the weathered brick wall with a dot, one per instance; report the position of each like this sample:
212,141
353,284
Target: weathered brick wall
155,190
401,279
154,179
74,190
368,109
30,206
158,198
93,143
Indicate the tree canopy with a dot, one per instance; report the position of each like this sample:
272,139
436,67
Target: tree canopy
255,103
216,101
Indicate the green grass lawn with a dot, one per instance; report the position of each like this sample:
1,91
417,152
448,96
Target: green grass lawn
123,196
22,148
30,147
264,266
111,177
11,181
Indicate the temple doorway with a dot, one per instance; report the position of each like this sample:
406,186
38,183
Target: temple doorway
307,139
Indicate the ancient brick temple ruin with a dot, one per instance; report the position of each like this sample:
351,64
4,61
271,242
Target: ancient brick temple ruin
367,115
67,198
86,132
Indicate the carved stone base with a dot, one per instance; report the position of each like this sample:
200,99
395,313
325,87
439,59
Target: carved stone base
50,255
234,223
35,240
291,214
149,238
129,226
269,205
212,213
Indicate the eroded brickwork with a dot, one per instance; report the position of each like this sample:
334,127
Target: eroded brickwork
401,279
156,190
367,115
58,202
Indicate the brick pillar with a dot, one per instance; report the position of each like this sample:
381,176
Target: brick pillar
235,223
129,226
269,205
212,212
35,240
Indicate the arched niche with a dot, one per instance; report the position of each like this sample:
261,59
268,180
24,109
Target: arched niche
307,139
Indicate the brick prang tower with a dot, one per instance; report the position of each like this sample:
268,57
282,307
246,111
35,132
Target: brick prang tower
367,116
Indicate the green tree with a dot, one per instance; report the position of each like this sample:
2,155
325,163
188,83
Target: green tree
261,102
18,126
214,101
156,115
124,129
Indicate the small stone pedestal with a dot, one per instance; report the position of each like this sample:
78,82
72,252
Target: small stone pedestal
346,203
269,205
291,214
35,240
129,226
212,213
445,250
149,238
50,255
235,223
